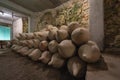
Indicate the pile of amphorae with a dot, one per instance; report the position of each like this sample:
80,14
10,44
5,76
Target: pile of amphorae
52,46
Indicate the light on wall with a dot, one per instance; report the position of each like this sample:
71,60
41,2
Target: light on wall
1,13
5,14
8,15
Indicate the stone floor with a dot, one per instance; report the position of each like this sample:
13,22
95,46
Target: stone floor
16,67
113,72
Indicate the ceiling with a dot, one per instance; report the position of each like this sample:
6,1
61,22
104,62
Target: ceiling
23,8
7,16
38,5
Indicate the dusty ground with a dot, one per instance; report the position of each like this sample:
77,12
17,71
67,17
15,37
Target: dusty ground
16,67
113,72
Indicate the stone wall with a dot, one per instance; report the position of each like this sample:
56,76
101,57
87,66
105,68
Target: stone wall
25,24
111,20
17,27
73,10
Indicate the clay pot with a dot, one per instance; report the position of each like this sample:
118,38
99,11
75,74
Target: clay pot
30,36
30,43
52,33
45,57
76,67
36,43
28,52
53,46
89,52
72,26
64,27
66,49
56,61
35,54
43,45
61,35
80,36
43,35
23,50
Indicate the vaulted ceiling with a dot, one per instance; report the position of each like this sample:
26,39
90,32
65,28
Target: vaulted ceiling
38,5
